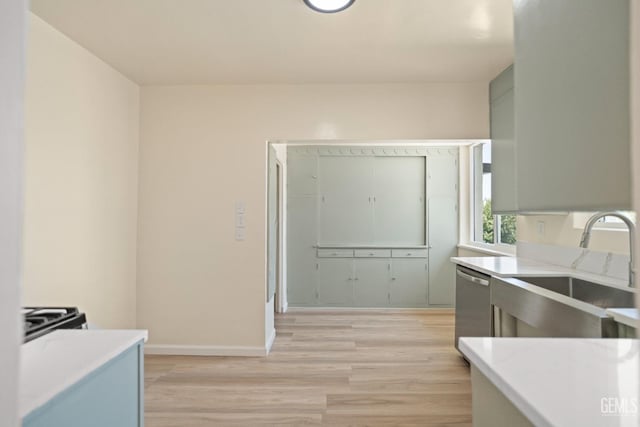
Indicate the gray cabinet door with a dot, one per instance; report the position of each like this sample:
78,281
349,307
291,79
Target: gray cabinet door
371,282
335,282
409,281
399,200
442,173
443,240
572,108
346,198
304,173
503,150
301,251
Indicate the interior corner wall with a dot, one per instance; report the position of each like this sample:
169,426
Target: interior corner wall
12,68
81,185
202,148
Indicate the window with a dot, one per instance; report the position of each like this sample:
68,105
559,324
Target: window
610,223
488,228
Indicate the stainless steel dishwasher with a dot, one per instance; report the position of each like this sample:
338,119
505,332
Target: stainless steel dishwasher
473,304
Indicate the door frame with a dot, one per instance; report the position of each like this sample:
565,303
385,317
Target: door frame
280,305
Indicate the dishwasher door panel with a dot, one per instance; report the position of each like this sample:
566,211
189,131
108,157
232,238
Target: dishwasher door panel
473,305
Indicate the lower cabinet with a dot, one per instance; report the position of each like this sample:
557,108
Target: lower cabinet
112,395
409,282
371,282
335,282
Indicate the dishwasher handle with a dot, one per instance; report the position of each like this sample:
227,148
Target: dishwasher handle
473,279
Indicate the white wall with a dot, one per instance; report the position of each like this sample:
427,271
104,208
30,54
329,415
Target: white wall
560,230
203,148
12,48
82,123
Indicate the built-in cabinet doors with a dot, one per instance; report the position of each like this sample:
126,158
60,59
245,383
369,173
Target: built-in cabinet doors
305,171
371,200
443,238
371,282
442,209
335,282
572,109
301,251
399,205
347,274
345,187
409,278
503,149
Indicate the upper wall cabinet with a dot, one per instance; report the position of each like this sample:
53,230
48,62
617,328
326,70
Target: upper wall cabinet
572,112
503,150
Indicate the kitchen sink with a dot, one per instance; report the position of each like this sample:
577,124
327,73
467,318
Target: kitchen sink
592,293
556,307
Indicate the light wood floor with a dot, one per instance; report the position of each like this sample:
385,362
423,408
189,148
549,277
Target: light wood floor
336,368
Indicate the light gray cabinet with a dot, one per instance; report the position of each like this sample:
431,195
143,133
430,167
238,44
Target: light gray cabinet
374,215
409,281
443,232
399,200
503,149
305,170
345,187
371,282
301,251
111,395
335,282
572,108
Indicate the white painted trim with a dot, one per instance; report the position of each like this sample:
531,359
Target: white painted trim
270,341
485,250
205,350
285,306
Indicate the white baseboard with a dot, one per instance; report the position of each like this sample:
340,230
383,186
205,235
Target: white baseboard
270,341
206,350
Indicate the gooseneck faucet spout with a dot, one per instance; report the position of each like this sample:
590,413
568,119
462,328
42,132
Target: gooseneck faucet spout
586,236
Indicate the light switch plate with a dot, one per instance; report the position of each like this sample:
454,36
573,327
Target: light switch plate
240,234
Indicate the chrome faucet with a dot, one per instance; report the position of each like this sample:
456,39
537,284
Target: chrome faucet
586,236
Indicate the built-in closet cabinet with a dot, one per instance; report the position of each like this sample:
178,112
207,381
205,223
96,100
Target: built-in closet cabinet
371,226
572,108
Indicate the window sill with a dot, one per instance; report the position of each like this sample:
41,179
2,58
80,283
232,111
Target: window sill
489,250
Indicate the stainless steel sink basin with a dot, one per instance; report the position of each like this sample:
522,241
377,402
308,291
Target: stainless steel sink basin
556,307
592,293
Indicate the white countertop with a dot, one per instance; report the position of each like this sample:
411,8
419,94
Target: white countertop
52,363
627,316
523,267
558,382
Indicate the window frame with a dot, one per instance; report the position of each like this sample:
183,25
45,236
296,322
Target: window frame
477,208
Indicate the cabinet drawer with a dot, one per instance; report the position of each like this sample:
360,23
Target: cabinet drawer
372,253
335,253
409,253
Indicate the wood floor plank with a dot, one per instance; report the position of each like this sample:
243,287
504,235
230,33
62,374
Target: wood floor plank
327,367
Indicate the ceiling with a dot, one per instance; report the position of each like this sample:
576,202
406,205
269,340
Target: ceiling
282,41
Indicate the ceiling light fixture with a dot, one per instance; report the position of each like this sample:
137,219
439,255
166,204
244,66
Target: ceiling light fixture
328,6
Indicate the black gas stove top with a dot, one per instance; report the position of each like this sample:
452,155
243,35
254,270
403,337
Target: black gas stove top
39,321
